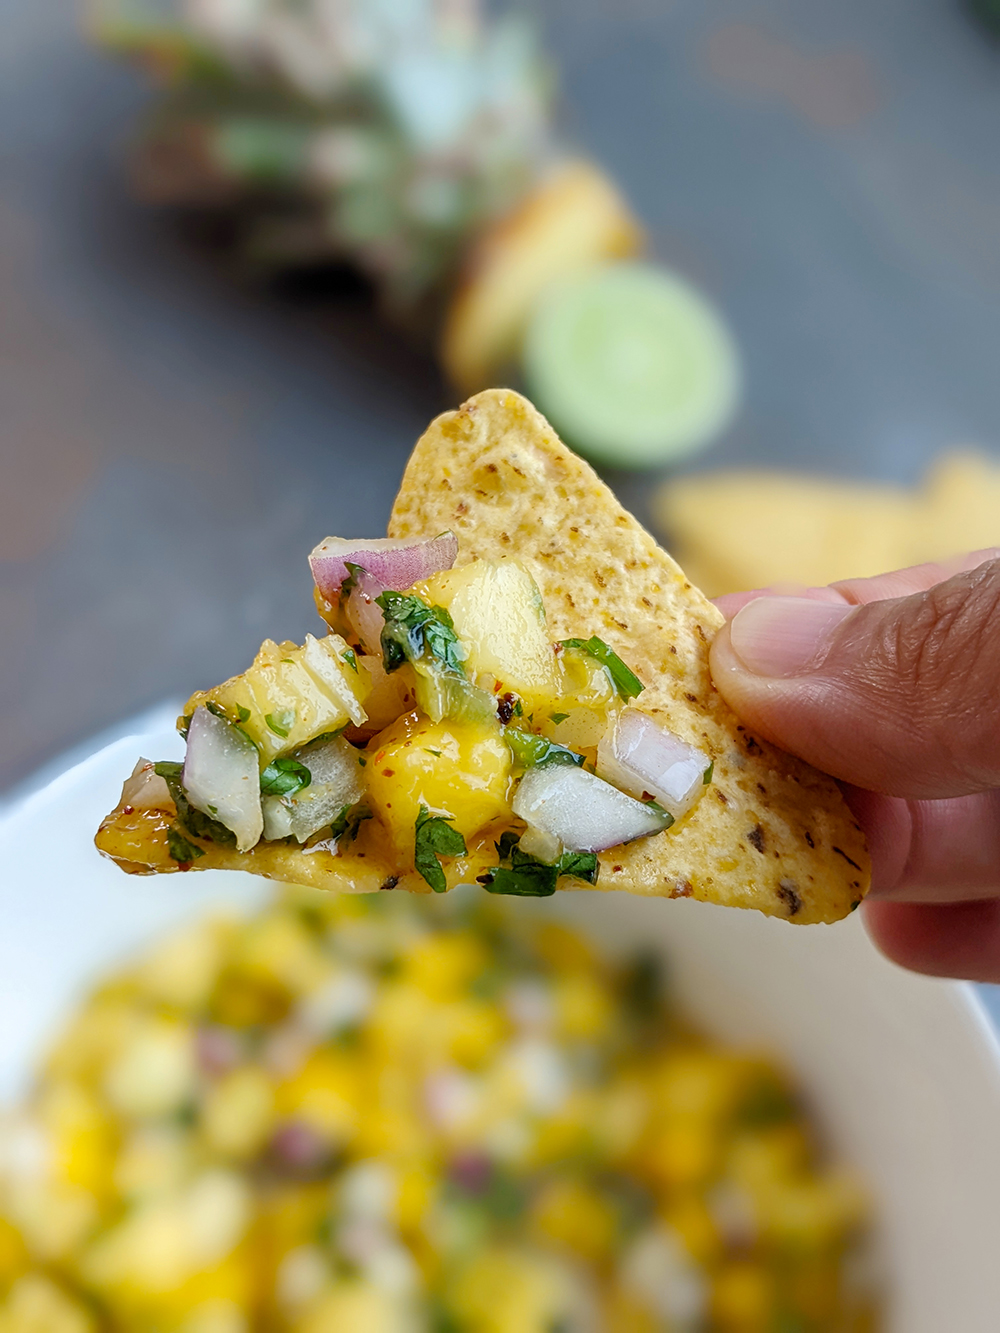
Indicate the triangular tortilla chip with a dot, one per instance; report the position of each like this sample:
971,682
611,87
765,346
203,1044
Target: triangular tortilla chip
770,832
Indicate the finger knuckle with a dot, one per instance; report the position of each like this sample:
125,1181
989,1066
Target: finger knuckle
941,651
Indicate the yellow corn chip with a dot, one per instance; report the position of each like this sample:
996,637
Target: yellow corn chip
770,832
737,530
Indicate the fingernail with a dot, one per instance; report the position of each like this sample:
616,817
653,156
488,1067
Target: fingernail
784,636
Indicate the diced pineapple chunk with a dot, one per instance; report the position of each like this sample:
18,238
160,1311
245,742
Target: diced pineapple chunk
357,1305
291,695
499,616
587,700
511,1291
456,769
34,1302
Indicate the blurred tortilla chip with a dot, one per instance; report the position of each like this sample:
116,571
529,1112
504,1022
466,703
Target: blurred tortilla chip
770,833
738,530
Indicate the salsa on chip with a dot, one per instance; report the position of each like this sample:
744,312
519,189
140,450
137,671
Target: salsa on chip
513,690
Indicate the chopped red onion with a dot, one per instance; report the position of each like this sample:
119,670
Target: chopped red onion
642,757
364,615
471,1171
222,776
583,811
394,563
299,1149
144,789
218,1049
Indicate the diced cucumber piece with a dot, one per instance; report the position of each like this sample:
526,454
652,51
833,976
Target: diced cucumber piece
334,781
442,694
631,364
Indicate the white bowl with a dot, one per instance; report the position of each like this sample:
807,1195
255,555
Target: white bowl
904,1072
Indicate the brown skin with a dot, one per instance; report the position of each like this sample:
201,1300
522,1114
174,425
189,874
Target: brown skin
898,698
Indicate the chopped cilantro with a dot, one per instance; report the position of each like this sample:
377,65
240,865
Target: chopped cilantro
191,820
642,988
281,723
707,776
351,582
527,877
765,1103
180,849
323,737
435,753
362,760
213,809
243,713
413,630
351,658
349,821
627,683
581,865
434,837
556,718
532,751
508,841
284,777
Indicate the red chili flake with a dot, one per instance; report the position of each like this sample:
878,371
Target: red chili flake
505,707
388,772
128,809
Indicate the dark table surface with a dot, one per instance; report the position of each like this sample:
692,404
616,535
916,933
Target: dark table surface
174,441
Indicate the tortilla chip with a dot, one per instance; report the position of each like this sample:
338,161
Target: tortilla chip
738,530
957,510
771,832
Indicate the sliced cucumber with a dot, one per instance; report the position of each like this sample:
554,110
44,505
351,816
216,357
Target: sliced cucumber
631,364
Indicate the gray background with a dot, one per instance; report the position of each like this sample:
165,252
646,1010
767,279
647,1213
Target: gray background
174,441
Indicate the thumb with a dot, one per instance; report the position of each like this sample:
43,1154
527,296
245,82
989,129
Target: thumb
899,696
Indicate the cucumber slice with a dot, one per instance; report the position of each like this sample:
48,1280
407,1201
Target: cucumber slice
631,364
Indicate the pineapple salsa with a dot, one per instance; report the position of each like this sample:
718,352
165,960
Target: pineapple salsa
377,1114
435,721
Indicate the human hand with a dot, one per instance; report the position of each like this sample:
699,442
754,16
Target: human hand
892,685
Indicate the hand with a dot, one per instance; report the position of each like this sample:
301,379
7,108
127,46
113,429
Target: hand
892,684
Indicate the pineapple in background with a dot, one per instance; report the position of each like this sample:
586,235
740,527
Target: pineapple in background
411,138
